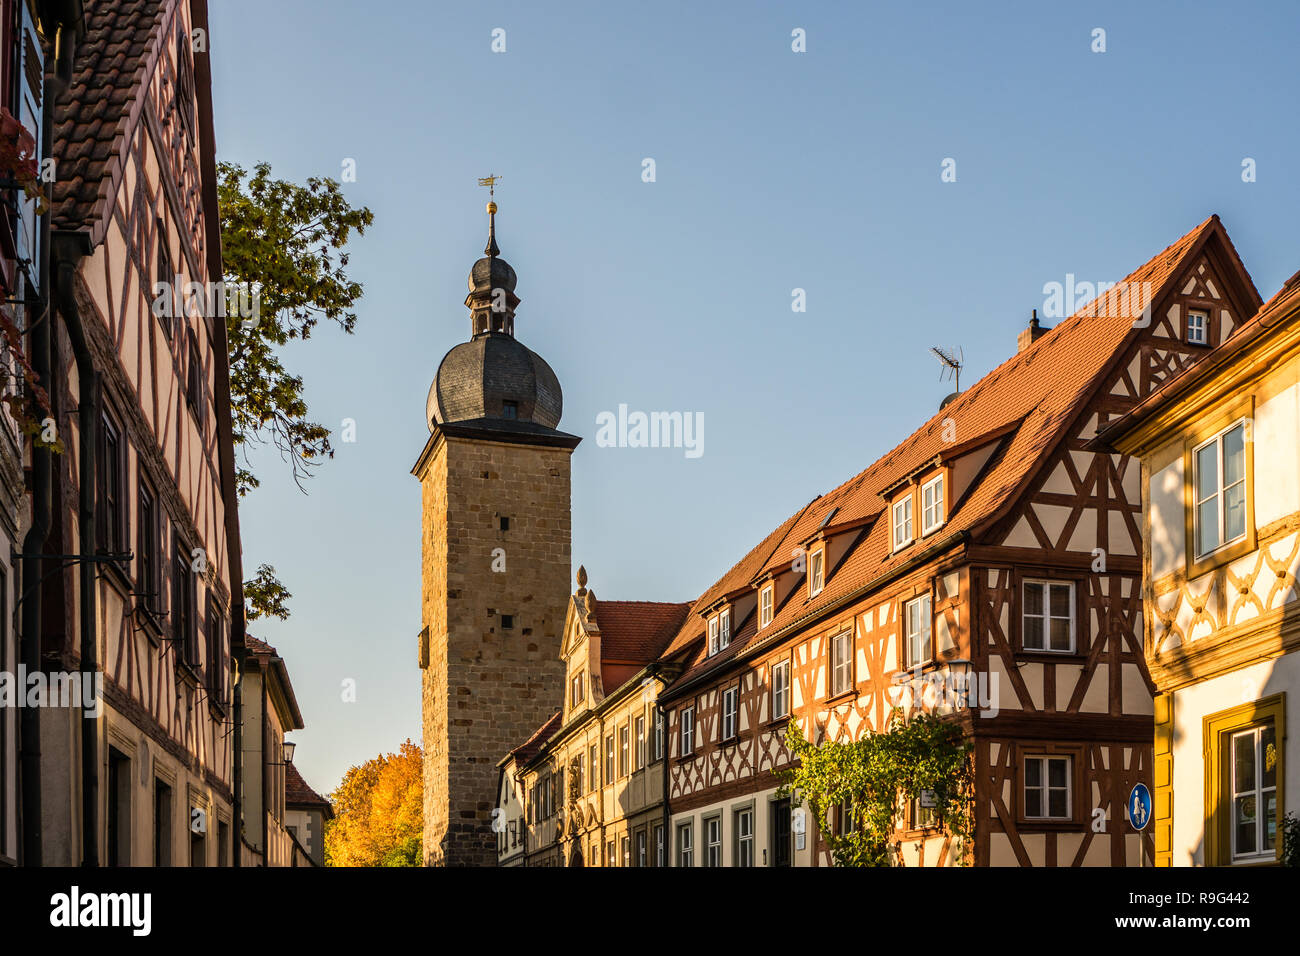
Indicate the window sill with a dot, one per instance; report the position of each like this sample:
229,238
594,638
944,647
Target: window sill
187,673
1052,657
1035,825
842,697
118,578
778,722
151,626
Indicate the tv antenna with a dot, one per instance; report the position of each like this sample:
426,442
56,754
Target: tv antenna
952,361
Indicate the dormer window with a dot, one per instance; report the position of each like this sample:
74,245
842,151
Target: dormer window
932,510
816,573
510,410
902,525
765,597
1198,324
713,636
724,628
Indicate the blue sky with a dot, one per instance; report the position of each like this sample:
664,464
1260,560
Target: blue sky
775,170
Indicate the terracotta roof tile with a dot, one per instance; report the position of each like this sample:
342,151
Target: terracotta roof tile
93,118
297,793
637,631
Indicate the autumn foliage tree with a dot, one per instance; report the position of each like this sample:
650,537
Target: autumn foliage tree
378,812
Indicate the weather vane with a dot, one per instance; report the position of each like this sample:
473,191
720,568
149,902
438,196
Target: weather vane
491,183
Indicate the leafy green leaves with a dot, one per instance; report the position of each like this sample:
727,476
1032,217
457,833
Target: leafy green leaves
282,245
875,776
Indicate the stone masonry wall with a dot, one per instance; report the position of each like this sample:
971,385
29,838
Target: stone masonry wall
488,686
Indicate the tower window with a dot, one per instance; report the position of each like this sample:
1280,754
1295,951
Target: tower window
510,410
505,523
507,622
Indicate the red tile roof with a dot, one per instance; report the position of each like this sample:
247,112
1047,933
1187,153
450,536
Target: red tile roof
1027,403
533,745
637,632
298,795
98,112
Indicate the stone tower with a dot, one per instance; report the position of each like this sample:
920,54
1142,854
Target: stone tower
495,547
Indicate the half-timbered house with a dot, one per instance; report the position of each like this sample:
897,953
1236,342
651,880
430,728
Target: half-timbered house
1221,516
142,505
989,567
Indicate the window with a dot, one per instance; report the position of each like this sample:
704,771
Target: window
504,523
729,698
593,766
745,837
611,854
844,820
609,759
685,845
162,824
659,734
576,771
1047,788
688,730
507,622
724,628
713,636
194,373
1198,323
625,845
623,767
1048,616
931,504
223,843
576,689
765,606
111,514
902,512
841,663
640,743
641,849
118,817
816,573
917,621
510,410
780,690
146,560
713,841
660,849
214,667
781,832
1220,489
163,277
1254,794
182,609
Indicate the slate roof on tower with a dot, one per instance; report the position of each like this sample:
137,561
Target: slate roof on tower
1024,407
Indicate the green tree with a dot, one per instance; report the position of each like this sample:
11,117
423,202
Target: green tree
874,776
283,249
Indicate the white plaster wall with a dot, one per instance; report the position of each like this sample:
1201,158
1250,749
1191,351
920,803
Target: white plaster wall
1277,457
1165,510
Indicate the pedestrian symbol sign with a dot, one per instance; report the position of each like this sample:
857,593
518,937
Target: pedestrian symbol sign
1139,806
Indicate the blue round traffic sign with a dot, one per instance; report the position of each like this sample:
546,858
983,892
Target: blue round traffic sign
1139,806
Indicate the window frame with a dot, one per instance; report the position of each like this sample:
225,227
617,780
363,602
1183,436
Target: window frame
730,713
609,760
782,667
712,847
766,605
1045,786
1231,416
939,505
843,636
686,730
816,572
1047,617
577,690
905,654
1217,732
686,847
639,751
182,619
111,524
906,505
624,751
1204,314
713,636
744,843
148,563
724,629
1221,490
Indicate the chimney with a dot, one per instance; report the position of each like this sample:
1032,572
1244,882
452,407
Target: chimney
1032,334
